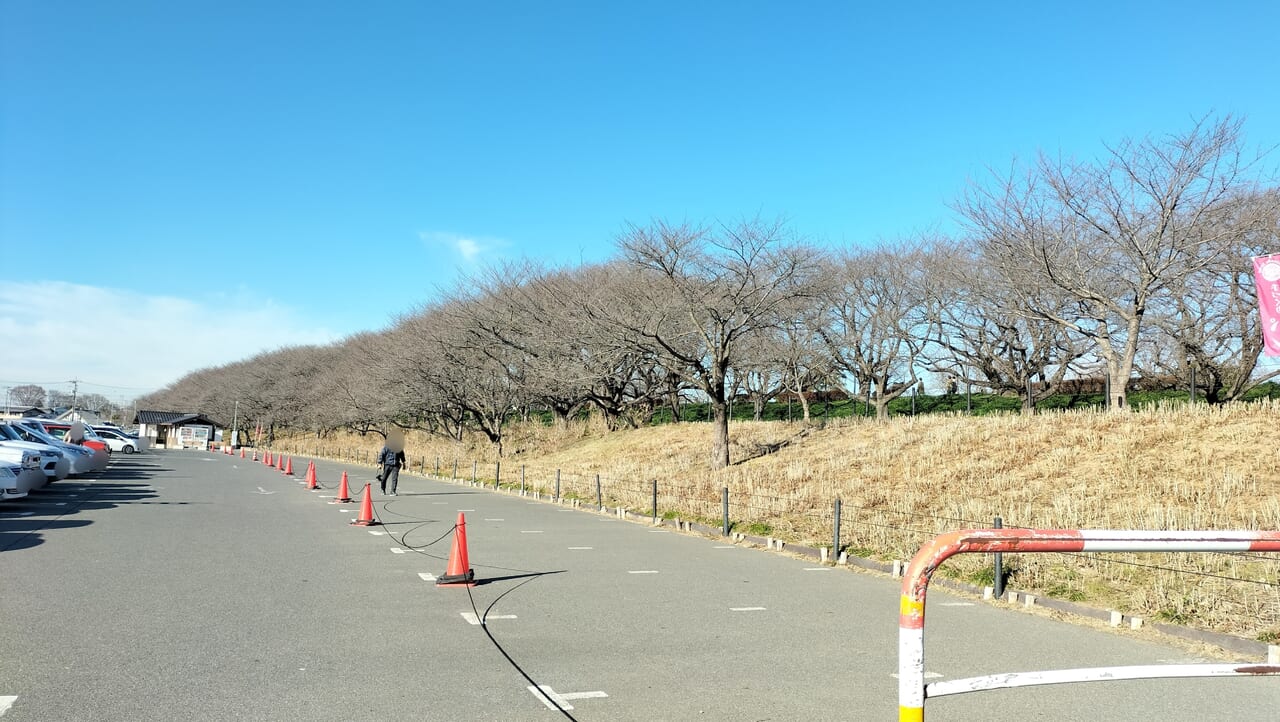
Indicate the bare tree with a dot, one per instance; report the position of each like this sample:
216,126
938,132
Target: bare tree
1208,321
983,333
1112,235
27,395
874,323
702,292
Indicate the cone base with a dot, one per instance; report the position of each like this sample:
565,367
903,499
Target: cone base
361,522
458,580
343,501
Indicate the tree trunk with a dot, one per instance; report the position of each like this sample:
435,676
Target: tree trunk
720,441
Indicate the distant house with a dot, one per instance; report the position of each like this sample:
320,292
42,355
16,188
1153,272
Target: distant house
20,412
175,429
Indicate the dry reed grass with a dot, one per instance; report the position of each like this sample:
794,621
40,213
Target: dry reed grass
907,479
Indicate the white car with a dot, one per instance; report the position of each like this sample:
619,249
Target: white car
53,462
117,440
25,466
9,483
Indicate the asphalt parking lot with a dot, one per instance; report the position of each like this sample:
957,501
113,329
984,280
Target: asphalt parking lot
189,585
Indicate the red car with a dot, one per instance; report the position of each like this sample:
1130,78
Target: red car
59,429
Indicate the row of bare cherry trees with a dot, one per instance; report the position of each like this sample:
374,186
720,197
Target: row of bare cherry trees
1138,263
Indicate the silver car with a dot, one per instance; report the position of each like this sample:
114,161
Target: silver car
53,462
83,460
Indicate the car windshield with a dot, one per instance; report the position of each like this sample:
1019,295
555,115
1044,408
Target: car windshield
38,437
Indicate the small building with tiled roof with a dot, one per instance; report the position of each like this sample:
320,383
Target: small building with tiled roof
175,429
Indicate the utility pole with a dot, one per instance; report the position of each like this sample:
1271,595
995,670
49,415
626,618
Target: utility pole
75,389
235,417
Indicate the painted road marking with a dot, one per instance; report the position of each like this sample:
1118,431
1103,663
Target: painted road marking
378,533
956,604
927,675
440,503
560,700
6,703
427,576
818,569
495,519
397,550
747,609
530,531
581,547
264,491
644,571
659,531
466,510
474,620
727,546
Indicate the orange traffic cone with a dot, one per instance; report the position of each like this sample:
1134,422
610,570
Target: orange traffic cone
460,573
344,496
312,484
266,458
255,455
366,510
288,467
241,452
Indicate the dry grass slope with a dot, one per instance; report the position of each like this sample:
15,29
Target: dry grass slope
905,480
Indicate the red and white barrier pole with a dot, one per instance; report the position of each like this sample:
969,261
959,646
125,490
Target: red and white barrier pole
915,585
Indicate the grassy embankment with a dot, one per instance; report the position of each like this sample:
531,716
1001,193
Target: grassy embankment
1168,466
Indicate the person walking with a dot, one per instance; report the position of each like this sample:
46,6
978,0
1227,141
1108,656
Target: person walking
392,461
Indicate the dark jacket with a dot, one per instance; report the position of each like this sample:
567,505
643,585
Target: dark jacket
387,457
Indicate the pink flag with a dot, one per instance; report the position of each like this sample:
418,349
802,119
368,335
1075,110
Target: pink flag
1266,272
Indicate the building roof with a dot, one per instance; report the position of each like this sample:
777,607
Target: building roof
172,418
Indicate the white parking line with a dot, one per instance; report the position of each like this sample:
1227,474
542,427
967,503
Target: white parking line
466,510
427,576
530,531
397,550
474,620
818,569
378,533
927,675
581,547
644,571
956,604
6,703
747,609
560,700
726,546
495,519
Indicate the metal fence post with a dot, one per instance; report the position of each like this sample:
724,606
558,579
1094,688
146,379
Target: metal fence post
724,504
655,499
557,485
835,537
437,466
998,584
474,464
522,479
599,498
497,474
455,469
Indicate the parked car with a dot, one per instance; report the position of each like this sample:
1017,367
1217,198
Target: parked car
9,483
53,462
117,440
60,429
83,459
25,464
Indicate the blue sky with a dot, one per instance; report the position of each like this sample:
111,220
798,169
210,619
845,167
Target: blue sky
226,177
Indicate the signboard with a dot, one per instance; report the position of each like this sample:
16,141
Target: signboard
194,437
1266,272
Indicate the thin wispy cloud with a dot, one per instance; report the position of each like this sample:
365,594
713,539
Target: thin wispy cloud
54,331
468,249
